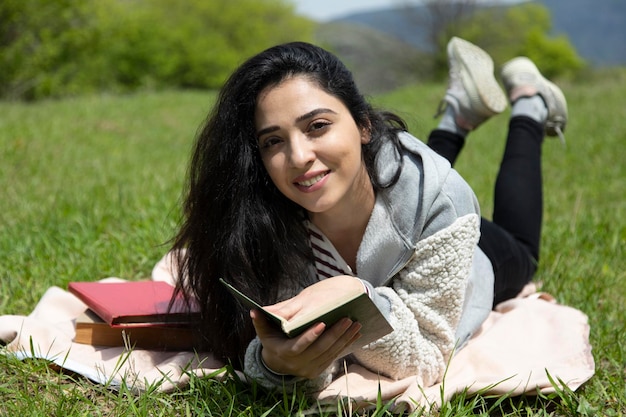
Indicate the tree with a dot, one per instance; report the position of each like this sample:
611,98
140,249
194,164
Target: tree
441,20
523,29
503,30
37,37
63,47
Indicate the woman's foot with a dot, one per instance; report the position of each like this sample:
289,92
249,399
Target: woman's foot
521,78
473,94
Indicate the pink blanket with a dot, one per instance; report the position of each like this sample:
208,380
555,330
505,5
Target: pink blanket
523,344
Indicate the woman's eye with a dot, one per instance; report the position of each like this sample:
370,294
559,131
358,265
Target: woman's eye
269,142
318,125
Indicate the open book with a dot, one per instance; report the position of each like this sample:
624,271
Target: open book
357,306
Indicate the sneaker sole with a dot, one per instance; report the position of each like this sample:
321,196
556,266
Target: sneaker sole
478,78
552,95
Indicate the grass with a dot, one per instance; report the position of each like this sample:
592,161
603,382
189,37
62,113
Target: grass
91,188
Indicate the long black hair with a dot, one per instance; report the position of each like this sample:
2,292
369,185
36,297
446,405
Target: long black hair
236,224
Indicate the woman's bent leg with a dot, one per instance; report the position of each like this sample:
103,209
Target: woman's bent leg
446,144
512,240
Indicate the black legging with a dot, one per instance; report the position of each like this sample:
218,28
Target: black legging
511,240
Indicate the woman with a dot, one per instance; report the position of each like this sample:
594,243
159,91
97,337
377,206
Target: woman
298,189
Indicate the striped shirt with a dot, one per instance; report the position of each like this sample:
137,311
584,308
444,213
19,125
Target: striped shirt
328,262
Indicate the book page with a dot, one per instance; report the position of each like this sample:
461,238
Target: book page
251,304
358,307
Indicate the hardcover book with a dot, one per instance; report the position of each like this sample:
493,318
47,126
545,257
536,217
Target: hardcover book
134,303
92,330
357,306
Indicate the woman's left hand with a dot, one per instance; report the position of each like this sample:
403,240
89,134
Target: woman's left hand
308,354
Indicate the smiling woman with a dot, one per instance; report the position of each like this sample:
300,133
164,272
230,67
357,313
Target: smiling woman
299,190
312,152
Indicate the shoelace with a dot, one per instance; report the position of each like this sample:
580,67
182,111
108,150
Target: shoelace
560,134
556,127
443,104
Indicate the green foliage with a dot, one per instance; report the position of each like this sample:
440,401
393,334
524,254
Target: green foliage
555,56
506,32
64,47
36,36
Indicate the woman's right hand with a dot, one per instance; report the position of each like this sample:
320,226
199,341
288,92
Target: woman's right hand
308,354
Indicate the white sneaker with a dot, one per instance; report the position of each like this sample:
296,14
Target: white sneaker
473,91
521,78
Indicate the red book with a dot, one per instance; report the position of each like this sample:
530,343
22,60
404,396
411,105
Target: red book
134,303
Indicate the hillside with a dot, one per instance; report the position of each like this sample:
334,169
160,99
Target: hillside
596,28
379,62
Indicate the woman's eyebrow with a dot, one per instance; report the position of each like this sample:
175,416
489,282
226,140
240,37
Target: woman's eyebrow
313,113
266,130
299,119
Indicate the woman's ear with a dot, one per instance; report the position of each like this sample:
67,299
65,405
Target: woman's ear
366,135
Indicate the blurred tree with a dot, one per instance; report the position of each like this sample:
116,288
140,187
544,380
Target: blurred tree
36,36
523,29
60,47
222,33
441,20
503,30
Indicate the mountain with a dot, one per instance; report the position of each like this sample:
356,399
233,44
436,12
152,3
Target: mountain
596,28
379,62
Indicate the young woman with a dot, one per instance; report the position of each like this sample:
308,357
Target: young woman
299,190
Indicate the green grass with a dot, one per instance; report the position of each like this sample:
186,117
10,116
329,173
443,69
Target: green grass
91,188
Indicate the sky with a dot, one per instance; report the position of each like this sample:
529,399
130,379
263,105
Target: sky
324,10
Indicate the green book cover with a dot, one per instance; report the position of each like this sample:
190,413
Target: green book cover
357,306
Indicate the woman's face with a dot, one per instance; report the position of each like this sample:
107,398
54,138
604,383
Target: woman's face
311,147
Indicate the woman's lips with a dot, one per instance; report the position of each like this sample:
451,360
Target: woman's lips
311,182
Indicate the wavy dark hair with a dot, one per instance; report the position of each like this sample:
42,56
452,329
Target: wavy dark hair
236,224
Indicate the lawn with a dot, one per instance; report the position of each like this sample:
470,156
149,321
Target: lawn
92,185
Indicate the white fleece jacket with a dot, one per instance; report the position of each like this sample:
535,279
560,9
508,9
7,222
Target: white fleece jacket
426,300
426,304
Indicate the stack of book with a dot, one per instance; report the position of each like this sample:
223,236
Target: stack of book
135,314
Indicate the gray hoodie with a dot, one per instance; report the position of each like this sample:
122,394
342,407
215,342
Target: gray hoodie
420,258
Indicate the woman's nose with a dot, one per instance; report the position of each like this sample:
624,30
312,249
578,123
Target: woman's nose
301,151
